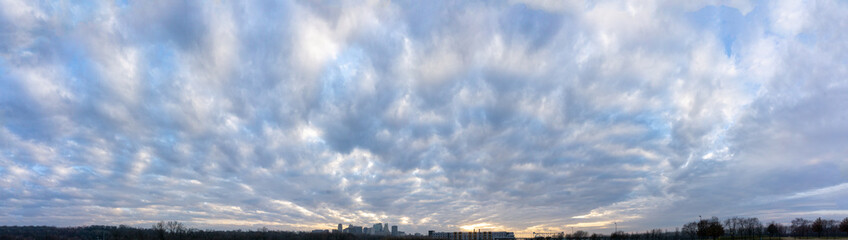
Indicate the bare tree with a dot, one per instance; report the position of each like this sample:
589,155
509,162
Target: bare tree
691,230
818,226
831,227
174,227
170,230
595,236
619,235
655,234
774,229
800,227
843,226
752,227
714,228
159,228
732,225
710,228
580,234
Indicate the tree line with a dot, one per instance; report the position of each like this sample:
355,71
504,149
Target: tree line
730,229
172,230
752,228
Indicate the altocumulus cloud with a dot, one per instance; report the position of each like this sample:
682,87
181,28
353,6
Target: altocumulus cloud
525,116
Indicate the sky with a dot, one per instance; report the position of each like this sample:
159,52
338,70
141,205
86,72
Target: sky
525,116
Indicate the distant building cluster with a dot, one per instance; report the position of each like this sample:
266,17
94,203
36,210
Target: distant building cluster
378,229
383,229
475,235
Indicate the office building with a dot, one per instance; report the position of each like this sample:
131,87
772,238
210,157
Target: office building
353,229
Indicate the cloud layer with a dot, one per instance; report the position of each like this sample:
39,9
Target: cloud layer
526,116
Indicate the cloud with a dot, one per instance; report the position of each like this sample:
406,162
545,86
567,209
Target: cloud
526,115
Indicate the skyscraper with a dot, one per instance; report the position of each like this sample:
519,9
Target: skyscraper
340,227
394,231
378,228
386,228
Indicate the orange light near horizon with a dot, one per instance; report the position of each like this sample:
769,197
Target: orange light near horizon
472,227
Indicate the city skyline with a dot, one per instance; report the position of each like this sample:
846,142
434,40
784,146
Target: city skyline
517,115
